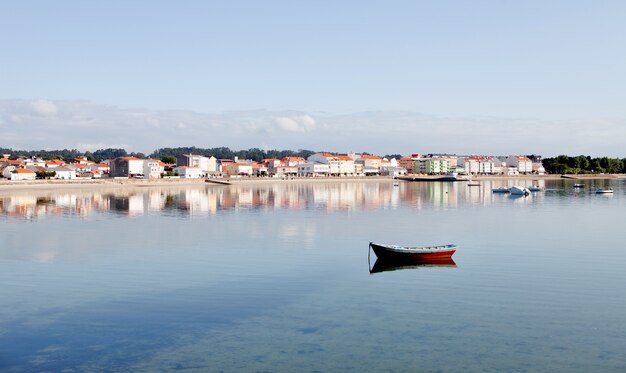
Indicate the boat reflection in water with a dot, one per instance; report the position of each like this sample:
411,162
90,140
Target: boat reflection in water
385,265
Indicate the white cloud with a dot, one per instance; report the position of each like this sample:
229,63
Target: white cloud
44,107
94,126
302,123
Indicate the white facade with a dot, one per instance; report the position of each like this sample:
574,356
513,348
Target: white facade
326,158
522,163
188,172
16,173
64,173
392,171
152,169
313,169
237,169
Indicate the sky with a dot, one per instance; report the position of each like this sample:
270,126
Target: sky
464,77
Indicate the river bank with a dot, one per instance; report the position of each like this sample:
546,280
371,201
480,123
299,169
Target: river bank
116,183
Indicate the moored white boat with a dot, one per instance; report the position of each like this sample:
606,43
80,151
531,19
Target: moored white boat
519,191
535,188
604,191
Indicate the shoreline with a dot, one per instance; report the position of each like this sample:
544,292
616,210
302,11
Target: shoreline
142,183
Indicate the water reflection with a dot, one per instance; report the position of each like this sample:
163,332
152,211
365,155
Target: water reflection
332,196
387,266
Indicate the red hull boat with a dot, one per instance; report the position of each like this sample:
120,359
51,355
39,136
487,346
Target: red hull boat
420,253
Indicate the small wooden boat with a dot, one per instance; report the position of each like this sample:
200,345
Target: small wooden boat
604,191
403,253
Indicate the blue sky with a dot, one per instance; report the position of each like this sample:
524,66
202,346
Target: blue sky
544,62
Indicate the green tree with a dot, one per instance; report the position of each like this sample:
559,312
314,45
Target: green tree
169,159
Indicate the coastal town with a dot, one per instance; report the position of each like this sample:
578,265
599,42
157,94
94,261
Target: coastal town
321,164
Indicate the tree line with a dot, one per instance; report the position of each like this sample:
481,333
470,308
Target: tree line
254,154
584,164
67,154
167,155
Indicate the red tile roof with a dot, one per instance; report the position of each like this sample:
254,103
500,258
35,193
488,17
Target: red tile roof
23,171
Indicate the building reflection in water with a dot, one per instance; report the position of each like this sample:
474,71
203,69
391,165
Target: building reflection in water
202,200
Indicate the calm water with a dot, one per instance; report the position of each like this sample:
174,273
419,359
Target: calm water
276,278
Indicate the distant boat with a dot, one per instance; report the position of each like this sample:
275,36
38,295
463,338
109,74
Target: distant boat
395,252
535,188
519,191
604,191
501,190
475,183
396,184
579,186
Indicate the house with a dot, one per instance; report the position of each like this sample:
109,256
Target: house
189,172
244,169
259,169
370,163
432,165
126,167
347,166
54,163
34,161
64,173
521,162
340,165
103,167
222,164
292,161
82,160
206,164
477,165
313,169
18,173
153,168
392,171
409,162
285,170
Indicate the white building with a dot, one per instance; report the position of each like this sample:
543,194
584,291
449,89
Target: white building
64,173
326,158
153,168
206,164
477,165
313,169
188,172
392,171
125,167
18,173
237,169
522,163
